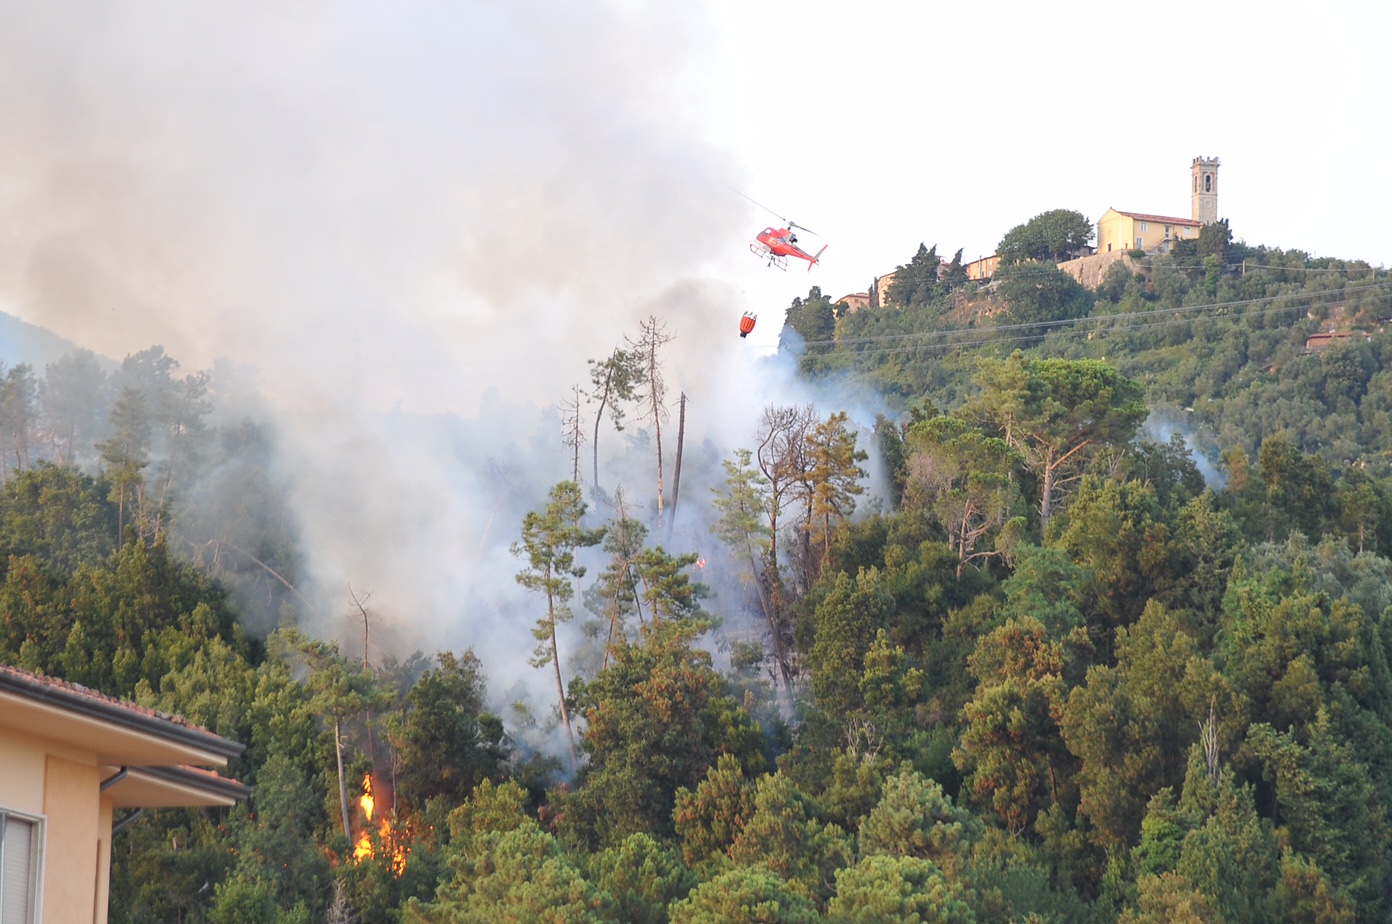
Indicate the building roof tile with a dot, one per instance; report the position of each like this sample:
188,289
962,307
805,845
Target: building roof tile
77,698
1160,219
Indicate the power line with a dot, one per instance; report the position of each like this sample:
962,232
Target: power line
1099,319
1101,324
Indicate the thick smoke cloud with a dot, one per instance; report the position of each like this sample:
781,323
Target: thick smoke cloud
402,202
410,225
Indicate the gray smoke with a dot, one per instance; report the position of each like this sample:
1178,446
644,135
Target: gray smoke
408,226
1165,421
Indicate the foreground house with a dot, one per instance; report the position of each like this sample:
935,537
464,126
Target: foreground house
71,761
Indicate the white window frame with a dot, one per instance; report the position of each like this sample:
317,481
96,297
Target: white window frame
36,864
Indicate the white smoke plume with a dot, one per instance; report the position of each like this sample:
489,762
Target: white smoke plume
412,224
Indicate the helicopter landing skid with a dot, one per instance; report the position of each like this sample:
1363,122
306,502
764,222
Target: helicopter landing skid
774,259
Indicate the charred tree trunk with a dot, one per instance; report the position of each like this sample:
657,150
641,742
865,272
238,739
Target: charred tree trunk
676,473
342,781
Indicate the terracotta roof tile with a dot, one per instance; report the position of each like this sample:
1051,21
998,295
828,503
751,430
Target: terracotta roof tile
87,693
1161,219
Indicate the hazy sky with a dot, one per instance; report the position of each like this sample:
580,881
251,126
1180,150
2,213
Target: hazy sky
883,124
419,200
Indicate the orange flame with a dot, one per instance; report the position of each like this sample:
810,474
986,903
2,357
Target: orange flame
364,849
367,802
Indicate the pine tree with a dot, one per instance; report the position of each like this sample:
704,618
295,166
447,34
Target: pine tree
549,542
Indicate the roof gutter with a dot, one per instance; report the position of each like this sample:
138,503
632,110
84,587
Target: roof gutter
209,783
115,778
119,715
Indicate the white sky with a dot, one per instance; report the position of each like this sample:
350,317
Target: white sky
882,124
426,197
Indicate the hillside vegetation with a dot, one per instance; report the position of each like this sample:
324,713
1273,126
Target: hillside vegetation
1116,649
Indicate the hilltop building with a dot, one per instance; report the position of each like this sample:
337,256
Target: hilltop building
1118,230
1118,234
979,270
72,758
879,290
856,301
1323,340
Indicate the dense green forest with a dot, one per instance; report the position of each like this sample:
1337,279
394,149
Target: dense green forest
1114,648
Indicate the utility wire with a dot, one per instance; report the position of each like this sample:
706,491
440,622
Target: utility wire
1100,325
1101,319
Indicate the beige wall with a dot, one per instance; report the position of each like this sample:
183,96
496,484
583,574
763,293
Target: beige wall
1113,232
22,774
63,789
1116,231
72,806
102,900
983,268
880,288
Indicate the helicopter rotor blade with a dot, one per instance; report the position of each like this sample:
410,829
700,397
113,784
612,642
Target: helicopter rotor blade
790,223
762,206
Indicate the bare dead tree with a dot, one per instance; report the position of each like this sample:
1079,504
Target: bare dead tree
571,433
676,473
383,789
743,504
782,459
215,566
360,604
1208,734
653,394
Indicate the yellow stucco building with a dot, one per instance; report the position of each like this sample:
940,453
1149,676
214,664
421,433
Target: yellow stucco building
71,759
1118,230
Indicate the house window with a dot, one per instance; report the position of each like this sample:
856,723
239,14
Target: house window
1140,245
1167,231
1145,226
19,868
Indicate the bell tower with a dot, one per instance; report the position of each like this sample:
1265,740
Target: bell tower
1205,173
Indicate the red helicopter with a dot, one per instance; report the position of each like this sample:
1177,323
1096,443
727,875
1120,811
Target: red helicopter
778,244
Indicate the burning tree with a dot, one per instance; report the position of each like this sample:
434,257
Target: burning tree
380,838
340,692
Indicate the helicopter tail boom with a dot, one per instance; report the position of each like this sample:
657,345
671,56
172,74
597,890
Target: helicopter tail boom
817,257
